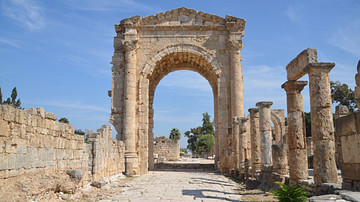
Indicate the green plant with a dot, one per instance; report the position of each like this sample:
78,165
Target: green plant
79,132
290,193
64,120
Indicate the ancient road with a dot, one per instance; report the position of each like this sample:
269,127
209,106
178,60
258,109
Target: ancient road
179,186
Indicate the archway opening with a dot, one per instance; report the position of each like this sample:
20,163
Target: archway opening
201,76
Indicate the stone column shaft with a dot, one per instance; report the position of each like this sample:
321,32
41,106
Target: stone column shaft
322,127
255,141
265,133
130,107
296,130
237,89
236,144
242,140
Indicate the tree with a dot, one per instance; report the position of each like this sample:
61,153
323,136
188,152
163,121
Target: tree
307,124
342,94
200,138
79,131
64,120
175,134
12,99
205,143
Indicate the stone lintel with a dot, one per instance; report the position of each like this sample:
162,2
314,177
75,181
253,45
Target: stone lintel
295,69
264,104
294,85
319,66
253,110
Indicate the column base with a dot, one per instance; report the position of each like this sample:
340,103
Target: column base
131,164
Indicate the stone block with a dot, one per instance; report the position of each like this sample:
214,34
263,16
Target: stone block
295,69
350,171
4,128
3,162
50,116
346,125
350,148
351,196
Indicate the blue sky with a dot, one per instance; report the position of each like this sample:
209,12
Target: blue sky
57,53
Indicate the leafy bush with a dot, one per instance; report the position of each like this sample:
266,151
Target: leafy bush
79,132
290,193
64,120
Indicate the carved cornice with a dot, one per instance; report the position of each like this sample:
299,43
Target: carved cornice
193,19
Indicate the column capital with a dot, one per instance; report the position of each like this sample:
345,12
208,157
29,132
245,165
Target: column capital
290,86
235,44
253,110
319,67
242,119
264,104
130,45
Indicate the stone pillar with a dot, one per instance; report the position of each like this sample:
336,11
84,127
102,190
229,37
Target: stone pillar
279,157
298,162
236,145
131,158
255,141
242,140
265,133
322,127
237,89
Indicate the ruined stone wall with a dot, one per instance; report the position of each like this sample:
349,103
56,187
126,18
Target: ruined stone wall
348,141
166,149
32,141
106,156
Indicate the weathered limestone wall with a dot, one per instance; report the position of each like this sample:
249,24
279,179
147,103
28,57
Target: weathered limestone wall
166,149
106,156
32,141
348,141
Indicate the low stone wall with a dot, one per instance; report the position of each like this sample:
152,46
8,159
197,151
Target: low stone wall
166,150
32,141
348,143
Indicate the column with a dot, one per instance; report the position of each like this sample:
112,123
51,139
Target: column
255,141
237,89
131,158
322,127
298,161
265,133
236,145
242,140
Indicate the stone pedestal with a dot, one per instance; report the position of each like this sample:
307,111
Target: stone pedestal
255,141
322,127
265,133
298,161
279,157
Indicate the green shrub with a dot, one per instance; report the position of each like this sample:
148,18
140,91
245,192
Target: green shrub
290,193
63,120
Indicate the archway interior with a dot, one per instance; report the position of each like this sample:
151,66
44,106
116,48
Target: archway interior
175,62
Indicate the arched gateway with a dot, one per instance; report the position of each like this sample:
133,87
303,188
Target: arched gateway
147,49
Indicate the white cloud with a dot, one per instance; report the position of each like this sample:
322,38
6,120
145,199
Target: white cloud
292,13
70,104
9,42
108,5
347,37
24,12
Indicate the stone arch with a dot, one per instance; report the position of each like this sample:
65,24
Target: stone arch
170,59
148,48
278,119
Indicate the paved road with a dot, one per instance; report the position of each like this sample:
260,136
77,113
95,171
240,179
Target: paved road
180,186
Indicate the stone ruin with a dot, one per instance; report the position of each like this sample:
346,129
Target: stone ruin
145,50
166,149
